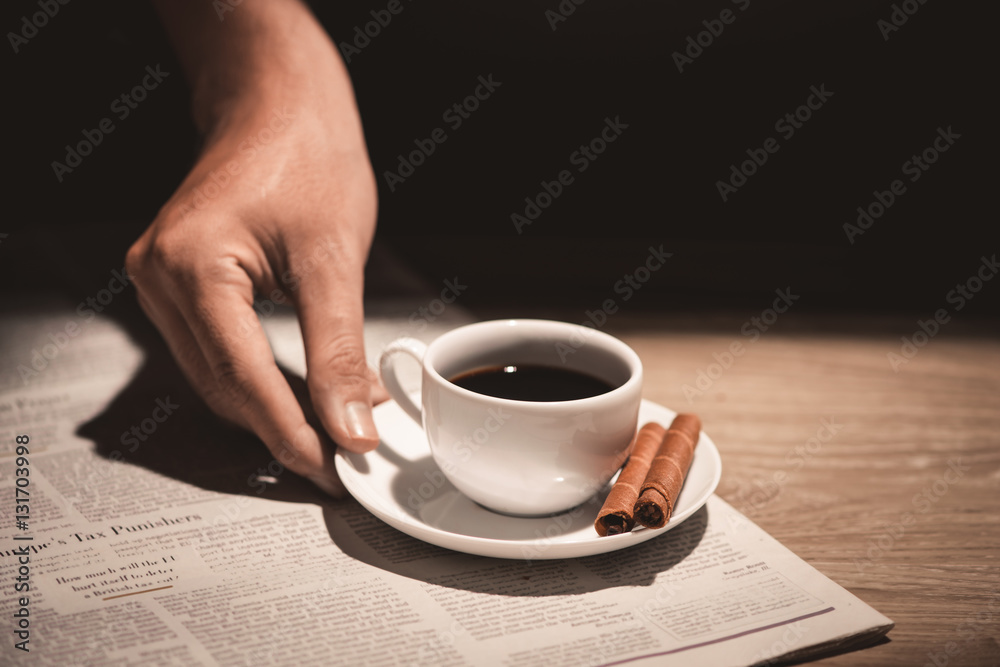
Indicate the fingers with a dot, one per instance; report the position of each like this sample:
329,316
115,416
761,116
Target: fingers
188,354
244,371
331,313
379,394
204,310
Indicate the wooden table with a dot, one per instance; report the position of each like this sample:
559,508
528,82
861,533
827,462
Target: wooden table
829,449
887,482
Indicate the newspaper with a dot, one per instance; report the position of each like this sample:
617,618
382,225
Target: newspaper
138,530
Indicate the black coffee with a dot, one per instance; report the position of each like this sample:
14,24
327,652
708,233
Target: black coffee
531,383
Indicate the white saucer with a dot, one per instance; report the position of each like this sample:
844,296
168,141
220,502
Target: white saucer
400,484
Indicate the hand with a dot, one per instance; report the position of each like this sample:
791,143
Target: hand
281,203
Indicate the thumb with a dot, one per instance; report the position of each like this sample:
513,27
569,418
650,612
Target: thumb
340,383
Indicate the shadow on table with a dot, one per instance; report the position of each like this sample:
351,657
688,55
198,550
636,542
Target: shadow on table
831,649
380,545
159,423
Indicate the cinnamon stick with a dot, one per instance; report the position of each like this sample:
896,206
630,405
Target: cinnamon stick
665,478
616,514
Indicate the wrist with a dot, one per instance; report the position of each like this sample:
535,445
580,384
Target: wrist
269,53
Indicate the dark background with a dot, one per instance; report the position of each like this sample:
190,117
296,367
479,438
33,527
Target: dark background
655,185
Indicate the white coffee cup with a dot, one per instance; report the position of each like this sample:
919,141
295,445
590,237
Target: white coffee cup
520,457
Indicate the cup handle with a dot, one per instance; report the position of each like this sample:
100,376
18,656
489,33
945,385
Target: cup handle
390,380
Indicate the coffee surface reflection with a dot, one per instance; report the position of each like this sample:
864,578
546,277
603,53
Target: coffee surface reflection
527,382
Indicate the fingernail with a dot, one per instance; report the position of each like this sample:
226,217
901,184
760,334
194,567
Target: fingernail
332,487
360,425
